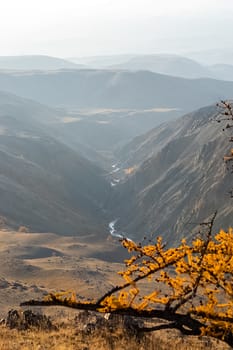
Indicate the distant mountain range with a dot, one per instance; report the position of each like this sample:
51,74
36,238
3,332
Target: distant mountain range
179,180
114,89
169,64
101,61
35,62
212,56
166,64
178,66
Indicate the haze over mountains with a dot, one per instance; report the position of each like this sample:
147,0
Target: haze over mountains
219,67
107,130
213,56
44,184
35,62
82,147
114,89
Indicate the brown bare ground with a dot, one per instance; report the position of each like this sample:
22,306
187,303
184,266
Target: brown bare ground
32,264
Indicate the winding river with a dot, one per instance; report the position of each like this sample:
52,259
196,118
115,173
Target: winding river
112,230
114,233
111,226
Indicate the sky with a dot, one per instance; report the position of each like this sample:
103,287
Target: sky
68,28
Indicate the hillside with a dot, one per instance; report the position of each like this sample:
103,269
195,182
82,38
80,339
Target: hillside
35,62
98,132
44,184
145,145
101,61
169,64
178,184
114,89
166,64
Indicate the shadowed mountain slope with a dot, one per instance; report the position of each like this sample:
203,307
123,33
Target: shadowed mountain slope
43,183
182,182
103,130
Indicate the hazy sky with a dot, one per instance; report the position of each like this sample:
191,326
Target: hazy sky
88,27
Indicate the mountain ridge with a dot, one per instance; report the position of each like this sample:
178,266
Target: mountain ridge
114,89
184,181
36,62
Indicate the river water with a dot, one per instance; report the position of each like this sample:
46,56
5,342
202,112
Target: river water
112,230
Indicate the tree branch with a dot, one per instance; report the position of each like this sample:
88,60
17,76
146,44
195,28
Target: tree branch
179,320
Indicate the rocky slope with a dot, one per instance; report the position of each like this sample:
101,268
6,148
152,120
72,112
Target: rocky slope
179,182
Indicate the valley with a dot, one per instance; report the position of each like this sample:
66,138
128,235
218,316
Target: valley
89,156
116,169
182,181
72,171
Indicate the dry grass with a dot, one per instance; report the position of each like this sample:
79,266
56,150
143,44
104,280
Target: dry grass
37,340
65,339
69,338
